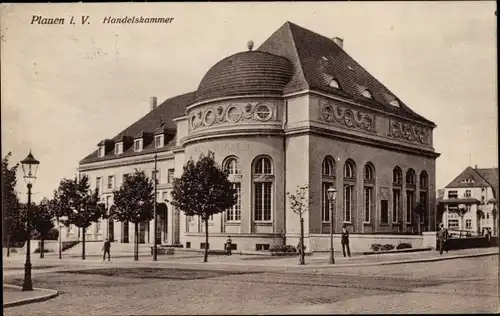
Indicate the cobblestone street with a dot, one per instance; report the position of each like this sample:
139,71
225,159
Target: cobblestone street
453,286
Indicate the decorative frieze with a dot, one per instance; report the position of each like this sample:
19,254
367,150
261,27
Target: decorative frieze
333,113
232,113
408,132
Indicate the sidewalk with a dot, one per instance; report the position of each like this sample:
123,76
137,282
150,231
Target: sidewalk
14,296
239,262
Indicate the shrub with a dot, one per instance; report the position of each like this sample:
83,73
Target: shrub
68,244
53,234
37,250
282,248
404,245
13,250
387,247
376,247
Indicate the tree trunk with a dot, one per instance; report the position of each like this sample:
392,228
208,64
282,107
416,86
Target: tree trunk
205,258
83,243
136,242
8,245
41,247
302,255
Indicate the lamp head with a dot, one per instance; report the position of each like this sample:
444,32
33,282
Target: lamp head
331,194
30,167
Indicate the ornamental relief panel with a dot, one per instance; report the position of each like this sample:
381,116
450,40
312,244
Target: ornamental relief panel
351,118
232,113
408,132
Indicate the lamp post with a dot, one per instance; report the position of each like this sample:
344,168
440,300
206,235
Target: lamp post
155,244
30,166
331,194
61,219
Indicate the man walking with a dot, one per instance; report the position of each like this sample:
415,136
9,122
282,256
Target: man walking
106,250
345,240
229,246
442,238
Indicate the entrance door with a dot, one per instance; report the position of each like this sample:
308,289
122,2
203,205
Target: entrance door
125,232
111,230
142,233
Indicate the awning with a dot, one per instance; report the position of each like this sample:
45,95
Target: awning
457,201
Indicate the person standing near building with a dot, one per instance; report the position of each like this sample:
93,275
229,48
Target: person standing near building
442,238
345,240
229,244
106,250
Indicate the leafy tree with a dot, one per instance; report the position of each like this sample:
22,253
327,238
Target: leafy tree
79,203
43,221
440,209
494,214
11,224
419,212
299,204
203,190
134,203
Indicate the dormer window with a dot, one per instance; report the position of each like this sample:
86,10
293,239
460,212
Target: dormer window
334,84
138,145
367,94
159,141
395,103
118,148
101,151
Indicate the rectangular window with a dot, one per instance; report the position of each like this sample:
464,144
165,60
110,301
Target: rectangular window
410,203
111,182
325,215
467,193
453,223
263,201
452,194
396,200
137,145
98,226
170,175
348,201
234,213
468,223
101,151
384,211
118,148
98,185
159,141
164,196
368,192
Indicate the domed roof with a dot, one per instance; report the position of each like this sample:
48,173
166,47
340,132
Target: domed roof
251,72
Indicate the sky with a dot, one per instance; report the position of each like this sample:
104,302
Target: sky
66,87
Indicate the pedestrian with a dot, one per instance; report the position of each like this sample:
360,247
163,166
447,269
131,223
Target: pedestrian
345,240
229,247
442,239
106,250
488,235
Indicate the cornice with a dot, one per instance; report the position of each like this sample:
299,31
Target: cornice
364,140
345,100
243,96
125,161
245,132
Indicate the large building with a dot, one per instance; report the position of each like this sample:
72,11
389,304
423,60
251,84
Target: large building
473,189
297,110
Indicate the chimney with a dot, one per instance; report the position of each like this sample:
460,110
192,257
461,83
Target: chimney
475,166
153,102
339,41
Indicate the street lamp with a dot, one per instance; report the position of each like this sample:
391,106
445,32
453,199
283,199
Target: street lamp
155,244
30,166
61,219
331,194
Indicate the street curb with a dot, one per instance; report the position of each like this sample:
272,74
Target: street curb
40,298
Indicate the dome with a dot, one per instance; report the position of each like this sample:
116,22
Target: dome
251,72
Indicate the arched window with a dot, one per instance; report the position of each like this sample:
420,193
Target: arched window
349,189
369,181
263,166
367,94
263,180
397,179
410,194
232,166
424,179
328,180
334,84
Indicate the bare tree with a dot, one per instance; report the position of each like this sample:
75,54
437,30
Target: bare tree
299,203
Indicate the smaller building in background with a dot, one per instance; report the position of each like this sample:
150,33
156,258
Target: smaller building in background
475,191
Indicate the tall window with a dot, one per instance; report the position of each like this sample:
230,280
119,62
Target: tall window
328,180
98,185
397,176
424,184
349,192
410,194
158,141
111,182
369,182
170,175
263,188
232,166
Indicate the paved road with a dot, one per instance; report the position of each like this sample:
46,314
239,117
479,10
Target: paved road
453,286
